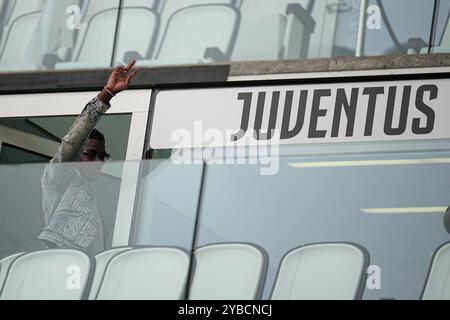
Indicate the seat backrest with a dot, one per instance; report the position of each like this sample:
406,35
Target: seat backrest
138,30
437,285
22,18
4,267
99,33
101,261
168,8
191,30
252,7
59,274
260,37
269,32
18,38
327,271
157,273
229,271
14,10
91,8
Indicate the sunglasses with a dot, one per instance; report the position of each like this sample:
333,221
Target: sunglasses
92,154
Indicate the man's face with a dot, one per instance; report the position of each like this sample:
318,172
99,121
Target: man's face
93,151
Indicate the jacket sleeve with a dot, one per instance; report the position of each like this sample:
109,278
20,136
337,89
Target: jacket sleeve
57,175
73,141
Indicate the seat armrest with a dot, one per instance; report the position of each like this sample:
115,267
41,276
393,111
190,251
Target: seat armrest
302,15
416,45
215,54
52,58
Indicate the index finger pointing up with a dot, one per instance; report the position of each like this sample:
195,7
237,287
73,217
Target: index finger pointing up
131,64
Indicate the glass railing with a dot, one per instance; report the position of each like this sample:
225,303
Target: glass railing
72,34
388,198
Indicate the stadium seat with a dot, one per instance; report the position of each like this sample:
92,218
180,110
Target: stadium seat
137,33
59,274
229,271
272,30
22,19
4,266
326,271
260,37
154,273
101,261
196,34
437,285
167,9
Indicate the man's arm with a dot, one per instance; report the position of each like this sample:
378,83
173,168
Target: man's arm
73,141
75,138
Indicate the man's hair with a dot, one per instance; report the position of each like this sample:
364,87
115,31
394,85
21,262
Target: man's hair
96,135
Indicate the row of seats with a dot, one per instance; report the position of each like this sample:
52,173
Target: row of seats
230,271
154,32
220,271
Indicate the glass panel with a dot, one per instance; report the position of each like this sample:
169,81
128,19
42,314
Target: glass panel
202,31
35,140
80,205
441,39
167,204
63,198
270,30
346,36
57,34
392,203
139,28
165,213
391,31
66,34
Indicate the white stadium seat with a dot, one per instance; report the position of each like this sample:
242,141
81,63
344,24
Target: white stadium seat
96,43
327,271
196,34
17,35
4,267
229,271
437,285
101,261
272,30
57,274
154,273
137,33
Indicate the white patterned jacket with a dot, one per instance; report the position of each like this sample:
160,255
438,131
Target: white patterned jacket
71,212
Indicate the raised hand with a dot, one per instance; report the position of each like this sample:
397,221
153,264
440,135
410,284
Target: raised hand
121,77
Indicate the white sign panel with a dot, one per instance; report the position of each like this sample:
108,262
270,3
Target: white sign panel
302,114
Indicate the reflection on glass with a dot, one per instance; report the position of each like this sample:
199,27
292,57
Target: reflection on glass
392,205
441,37
67,34
347,26
57,34
391,31
393,211
94,24
32,202
168,203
